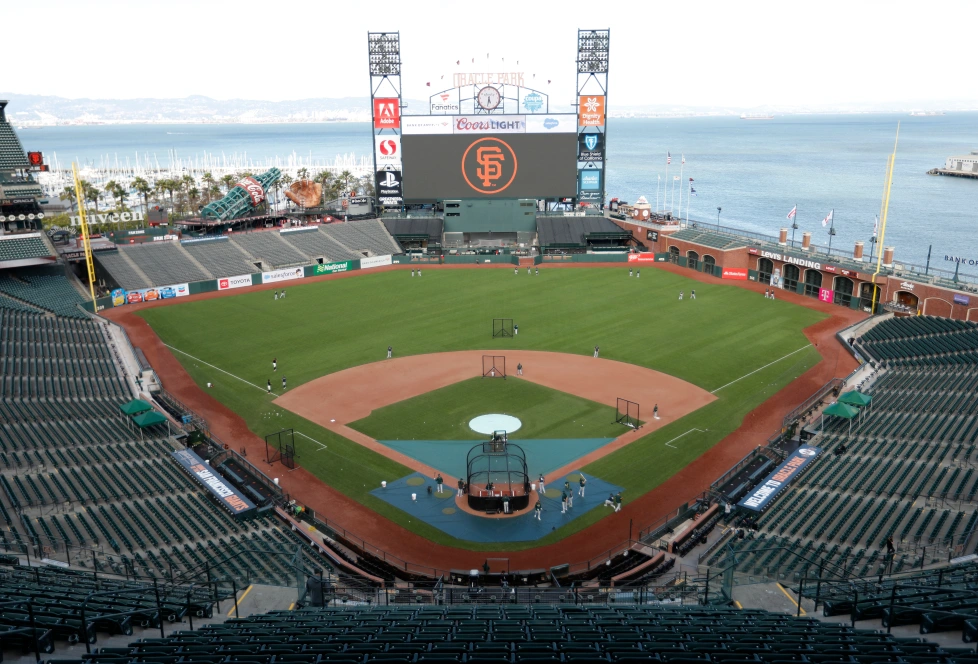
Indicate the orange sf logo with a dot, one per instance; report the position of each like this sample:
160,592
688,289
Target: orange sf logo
489,169
492,164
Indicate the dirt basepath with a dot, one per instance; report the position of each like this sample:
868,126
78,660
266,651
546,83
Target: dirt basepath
335,400
587,544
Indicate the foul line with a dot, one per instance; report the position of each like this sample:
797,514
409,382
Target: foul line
321,445
680,436
197,359
764,367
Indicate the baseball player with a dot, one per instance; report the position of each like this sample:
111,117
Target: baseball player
274,364
772,294
283,293
538,272
461,487
269,386
692,294
570,494
505,504
629,272
618,501
638,273
283,383
419,271
537,511
583,483
766,294
516,330
529,270
680,295
276,295
563,502
610,500
655,411
516,271
440,481
412,271
543,487
597,349
390,352
519,369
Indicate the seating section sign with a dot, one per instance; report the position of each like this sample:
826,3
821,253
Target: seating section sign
767,490
213,482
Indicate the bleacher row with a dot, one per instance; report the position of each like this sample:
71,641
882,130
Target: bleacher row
909,471
42,289
164,263
491,635
921,340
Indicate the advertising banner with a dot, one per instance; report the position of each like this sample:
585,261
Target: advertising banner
423,124
118,297
551,124
387,148
198,240
445,102
533,101
590,147
736,273
254,189
333,268
961,299
825,294
376,261
590,180
589,196
489,124
286,274
767,490
211,480
590,110
176,290
387,113
239,281
389,188
641,258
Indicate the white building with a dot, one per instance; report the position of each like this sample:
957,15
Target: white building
966,164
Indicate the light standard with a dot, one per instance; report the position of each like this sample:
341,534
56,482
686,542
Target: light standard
718,219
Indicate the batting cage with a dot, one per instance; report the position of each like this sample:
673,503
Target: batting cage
280,446
496,469
502,327
494,366
626,412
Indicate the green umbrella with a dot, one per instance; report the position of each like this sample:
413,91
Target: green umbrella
840,409
135,407
854,398
148,420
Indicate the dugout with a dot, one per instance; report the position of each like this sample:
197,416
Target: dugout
503,465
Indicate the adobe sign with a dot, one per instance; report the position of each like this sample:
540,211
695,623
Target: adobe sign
387,113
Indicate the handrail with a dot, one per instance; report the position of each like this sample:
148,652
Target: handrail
20,630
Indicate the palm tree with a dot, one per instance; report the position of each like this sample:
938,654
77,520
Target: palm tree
193,194
213,192
187,183
160,187
142,188
113,188
68,194
208,181
324,177
91,193
228,182
302,173
346,176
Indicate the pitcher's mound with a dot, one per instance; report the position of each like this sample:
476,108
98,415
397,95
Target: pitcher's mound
494,422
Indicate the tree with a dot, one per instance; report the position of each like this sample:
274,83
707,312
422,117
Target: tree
193,194
187,183
113,188
324,177
209,182
68,194
142,188
213,192
302,174
91,193
228,182
346,176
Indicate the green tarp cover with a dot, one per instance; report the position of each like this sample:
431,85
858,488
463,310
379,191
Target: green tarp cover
856,398
841,410
135,407
148,419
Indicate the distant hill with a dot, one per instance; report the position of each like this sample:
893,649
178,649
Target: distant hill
48,110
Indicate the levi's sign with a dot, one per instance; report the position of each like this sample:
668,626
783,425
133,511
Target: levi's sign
767,490
213,482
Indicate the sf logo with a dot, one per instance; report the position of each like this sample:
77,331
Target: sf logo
489,165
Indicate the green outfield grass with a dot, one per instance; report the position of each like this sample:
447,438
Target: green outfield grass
444,414
320,328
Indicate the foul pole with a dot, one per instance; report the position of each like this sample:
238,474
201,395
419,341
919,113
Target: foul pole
886,208
83,220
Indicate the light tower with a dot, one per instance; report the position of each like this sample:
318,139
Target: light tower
384,57
592,104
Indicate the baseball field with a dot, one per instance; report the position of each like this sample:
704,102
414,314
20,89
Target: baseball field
730,346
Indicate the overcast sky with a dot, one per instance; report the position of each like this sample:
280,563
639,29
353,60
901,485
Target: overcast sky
748,53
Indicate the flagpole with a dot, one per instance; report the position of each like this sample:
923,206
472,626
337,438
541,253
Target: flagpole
664,192
657,184
831,231
689,193
682,165
794,226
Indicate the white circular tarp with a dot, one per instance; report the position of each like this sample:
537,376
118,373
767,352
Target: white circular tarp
495,422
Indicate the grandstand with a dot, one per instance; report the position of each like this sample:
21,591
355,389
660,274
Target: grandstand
22,247
43,288
908,470
18,189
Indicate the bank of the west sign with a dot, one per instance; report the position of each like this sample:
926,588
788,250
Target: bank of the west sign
113,218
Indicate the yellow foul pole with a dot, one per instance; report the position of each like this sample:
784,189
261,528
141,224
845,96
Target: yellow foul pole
83,219
886,208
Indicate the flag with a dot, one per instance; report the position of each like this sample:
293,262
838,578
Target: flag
794,211
675,178
828,219
876,226
668,158
684,159
690,179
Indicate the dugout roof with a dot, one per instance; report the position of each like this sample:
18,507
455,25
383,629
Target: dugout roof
430,227
576,231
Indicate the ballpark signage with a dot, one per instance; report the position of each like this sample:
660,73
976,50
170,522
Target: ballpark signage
424,124
489,124
389,191
387,113
213,482
239,281
254,189
767,490
802,262
641,258
737,273
445,102
488,78
551,124
388,150
961,260
120,296
376,261
198,240
108,218
962,299
590,110
489,165
281,275
333,268
590,180
590,147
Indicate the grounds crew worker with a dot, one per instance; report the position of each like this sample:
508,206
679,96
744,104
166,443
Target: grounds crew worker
461,486
440,481
537,510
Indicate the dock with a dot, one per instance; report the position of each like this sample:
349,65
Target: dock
956,174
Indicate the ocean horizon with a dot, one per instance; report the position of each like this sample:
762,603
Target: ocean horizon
754,170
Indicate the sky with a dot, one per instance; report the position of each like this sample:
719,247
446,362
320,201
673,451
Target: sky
741,54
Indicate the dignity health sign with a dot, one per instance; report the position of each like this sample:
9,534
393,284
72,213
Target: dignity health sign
767,490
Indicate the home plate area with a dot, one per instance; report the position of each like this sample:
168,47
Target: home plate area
411,494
